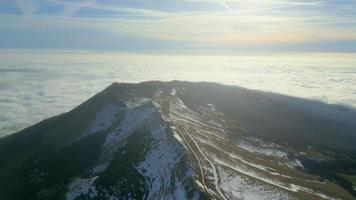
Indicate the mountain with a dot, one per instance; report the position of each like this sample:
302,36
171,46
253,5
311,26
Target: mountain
183,140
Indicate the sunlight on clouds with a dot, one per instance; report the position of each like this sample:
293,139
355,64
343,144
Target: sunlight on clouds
53,82
235,29
229,23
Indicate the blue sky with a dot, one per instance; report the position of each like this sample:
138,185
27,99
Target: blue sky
180,25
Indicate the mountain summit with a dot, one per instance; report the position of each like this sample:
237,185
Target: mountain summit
182,140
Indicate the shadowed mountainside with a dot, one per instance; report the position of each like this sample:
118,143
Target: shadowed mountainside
183,140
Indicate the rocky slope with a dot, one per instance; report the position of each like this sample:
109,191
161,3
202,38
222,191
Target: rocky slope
181,140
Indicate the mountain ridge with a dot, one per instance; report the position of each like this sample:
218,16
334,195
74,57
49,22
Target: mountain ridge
206,137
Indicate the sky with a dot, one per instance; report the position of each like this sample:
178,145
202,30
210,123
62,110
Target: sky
180,25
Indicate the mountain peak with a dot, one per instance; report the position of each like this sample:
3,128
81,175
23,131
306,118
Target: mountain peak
181,140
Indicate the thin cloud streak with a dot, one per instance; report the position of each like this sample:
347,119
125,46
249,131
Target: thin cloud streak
224,5
253,23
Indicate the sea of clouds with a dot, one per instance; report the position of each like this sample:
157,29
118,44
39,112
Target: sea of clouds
35,85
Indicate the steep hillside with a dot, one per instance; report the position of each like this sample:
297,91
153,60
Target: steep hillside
181,140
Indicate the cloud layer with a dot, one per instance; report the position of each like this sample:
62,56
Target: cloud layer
35,85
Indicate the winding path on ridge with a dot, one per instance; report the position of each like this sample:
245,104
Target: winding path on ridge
189,127
180,125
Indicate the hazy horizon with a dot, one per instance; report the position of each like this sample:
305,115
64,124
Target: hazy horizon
35,85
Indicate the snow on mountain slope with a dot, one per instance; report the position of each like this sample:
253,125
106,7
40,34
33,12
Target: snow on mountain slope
223,165
163,165
229,170
104,118
178,140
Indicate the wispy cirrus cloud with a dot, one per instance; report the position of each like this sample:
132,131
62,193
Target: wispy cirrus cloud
180,24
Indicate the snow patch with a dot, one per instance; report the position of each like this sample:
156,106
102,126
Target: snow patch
81,186
159,167
136,117
211,107
103,119
237,186
178,137
262,150
298,163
